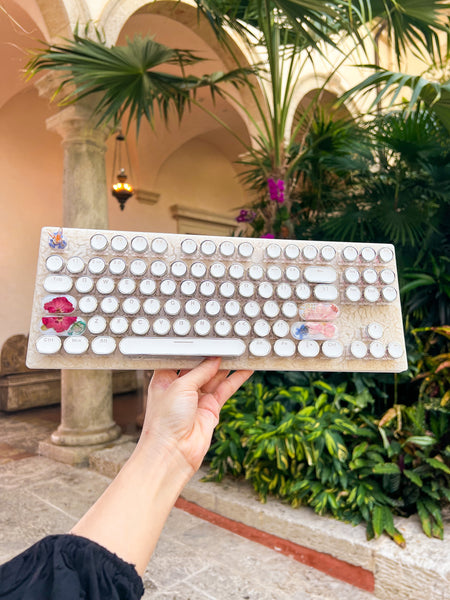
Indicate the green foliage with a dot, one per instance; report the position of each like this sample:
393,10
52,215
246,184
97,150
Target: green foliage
433,365
320,446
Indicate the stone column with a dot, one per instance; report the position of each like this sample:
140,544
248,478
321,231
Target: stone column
86,396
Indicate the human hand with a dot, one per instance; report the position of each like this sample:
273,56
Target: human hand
183,408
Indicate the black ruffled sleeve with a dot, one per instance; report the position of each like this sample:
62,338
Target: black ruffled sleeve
69,567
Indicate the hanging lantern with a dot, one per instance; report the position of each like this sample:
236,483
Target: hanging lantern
121,189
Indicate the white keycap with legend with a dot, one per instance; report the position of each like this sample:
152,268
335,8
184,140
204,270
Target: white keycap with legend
137,300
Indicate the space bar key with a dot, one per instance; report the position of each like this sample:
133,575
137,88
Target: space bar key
169,346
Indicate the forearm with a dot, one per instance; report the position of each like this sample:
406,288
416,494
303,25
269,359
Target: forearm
128,518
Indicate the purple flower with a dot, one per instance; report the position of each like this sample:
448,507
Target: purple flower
268,235
246,216
276,189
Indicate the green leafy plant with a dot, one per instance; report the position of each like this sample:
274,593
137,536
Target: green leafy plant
433,365
320,446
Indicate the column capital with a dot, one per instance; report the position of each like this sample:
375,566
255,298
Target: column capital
78,123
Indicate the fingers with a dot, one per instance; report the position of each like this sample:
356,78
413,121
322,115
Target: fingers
211,385
230,385
162,379
202,374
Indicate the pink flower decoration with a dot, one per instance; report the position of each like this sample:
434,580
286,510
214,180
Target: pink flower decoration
268,235
59,305
59,324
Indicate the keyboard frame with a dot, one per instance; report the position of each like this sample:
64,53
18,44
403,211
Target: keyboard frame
352,321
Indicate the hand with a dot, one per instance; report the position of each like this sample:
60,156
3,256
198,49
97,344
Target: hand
183,409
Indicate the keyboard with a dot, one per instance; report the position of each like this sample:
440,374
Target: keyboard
138,300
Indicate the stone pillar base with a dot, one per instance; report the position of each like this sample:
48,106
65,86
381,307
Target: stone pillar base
78,455
65,436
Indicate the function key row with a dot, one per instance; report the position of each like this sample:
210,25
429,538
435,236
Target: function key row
227,249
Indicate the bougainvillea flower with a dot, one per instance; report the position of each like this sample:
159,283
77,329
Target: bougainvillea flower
276,189
60,305
59,324
246,216
268,235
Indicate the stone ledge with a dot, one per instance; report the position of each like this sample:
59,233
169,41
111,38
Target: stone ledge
419,572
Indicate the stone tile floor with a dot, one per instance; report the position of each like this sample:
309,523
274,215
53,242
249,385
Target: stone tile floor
194,559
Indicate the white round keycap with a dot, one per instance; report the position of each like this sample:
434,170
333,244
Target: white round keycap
332,349
350,253
188,287
222,327
280,328
151,306
328,253
226,248
291,251
368,254
284,291
375,330
353,293
58,284
284,348
246,289
119,243
172,307
117,266
109,305
310,252
192,307
181,327
198,270
202,327
385,254
188,246
131,306
48,344
292,273
289,310
178,268
271,309
265,290
138,267
370,275
139,244
232,308
242,328
217,270
127,286
96,265
377,349
147,287
371,294
96,325
227,289
395,350
87,304
252,309
159,245
259,347
103,345
274,273
54,263
261,328
308,348
212,308
387,276
168,287
245,249
358,349
84,285
105,285
389,294
351,275
75,265
98,242
161,326
77,344
158,268
207,288
207,247
255,272
118,325
273,251
236,271
325,292
303,291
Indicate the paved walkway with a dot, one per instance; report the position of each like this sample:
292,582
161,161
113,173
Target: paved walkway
194,560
